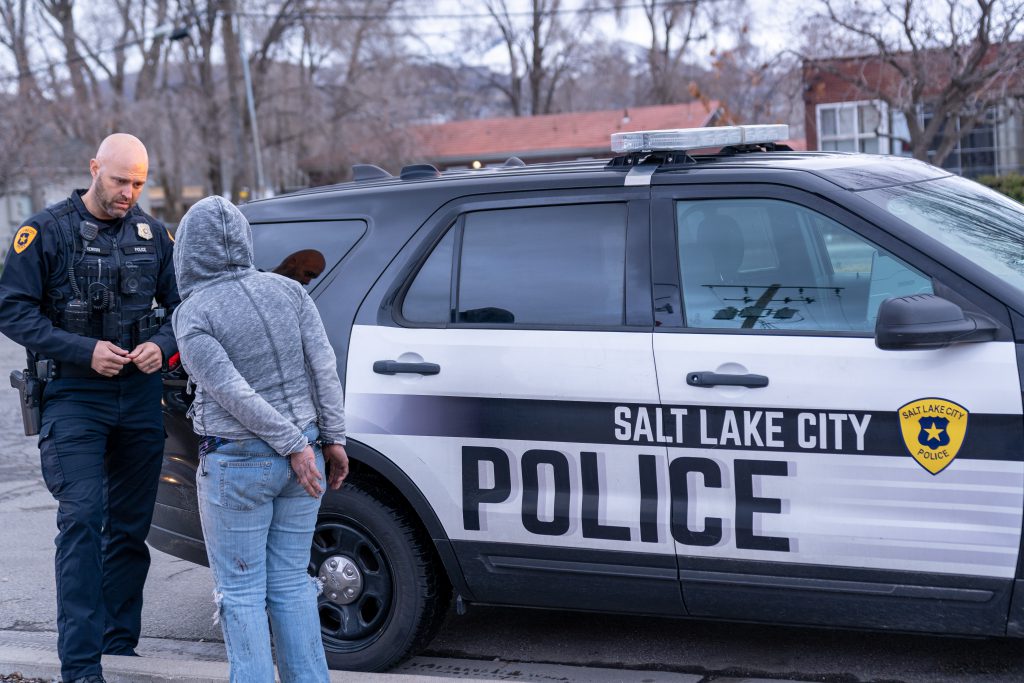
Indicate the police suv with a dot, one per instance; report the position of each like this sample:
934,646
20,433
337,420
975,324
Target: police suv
756,384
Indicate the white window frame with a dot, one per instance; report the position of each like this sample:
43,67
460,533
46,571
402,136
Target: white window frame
857,136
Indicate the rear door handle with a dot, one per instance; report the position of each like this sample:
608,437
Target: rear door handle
393,367
707,379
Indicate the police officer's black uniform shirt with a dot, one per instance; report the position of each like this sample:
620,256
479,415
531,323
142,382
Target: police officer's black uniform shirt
35,285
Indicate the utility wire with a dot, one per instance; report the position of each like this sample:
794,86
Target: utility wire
457,16
338,16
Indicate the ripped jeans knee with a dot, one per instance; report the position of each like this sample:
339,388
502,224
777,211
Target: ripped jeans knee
218,602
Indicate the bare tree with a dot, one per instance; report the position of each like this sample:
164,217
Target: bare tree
752,85
540,45
949,59
605,75
28,131
201,89
14,35
677,28
323,75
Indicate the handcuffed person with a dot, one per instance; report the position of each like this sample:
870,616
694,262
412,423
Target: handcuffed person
269,406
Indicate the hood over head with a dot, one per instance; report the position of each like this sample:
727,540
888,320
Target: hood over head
213,241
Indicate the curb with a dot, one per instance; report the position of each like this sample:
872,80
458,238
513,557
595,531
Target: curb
34,663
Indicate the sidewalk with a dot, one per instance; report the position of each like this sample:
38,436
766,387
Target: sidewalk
38,664
33,655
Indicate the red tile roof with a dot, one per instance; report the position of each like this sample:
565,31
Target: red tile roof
551,136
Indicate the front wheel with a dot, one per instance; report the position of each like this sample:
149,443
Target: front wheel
384,592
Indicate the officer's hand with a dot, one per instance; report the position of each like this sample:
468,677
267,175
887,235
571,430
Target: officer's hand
148,357
304,465
108,358
337,464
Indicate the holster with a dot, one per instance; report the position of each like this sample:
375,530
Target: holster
30,383
30,389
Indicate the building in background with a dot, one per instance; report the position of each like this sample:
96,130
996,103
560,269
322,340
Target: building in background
17,204
159,207
478,143
842,116
553,137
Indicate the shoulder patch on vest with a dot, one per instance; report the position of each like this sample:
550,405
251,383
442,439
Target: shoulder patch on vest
23,238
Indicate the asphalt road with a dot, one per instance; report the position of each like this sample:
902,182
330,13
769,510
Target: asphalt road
179,606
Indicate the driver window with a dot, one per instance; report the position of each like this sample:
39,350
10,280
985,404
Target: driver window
766,264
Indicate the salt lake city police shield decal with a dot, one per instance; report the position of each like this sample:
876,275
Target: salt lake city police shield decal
933,431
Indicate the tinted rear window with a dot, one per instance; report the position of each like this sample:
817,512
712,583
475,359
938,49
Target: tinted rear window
304,251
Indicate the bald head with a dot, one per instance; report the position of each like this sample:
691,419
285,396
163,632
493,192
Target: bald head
122,147
119,172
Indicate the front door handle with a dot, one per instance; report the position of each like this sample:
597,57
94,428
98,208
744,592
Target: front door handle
707,379
393,367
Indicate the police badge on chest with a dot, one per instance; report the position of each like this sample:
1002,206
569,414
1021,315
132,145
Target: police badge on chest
144,231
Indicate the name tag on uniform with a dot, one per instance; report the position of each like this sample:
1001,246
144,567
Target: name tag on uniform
139,249
99,251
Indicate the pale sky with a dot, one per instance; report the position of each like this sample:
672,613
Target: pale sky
775,23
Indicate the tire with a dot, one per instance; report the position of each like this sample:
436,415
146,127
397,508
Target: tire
404,592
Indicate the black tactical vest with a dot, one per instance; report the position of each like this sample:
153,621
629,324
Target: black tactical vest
104,287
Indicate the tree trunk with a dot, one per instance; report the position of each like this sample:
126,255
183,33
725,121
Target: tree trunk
243,171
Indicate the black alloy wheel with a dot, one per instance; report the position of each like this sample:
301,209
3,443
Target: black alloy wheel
351,617
384,592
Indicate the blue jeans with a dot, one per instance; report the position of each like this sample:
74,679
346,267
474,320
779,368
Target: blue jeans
258,523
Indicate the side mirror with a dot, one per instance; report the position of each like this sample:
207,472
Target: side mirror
927,321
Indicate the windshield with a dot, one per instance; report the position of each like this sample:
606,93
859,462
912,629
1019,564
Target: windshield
981,224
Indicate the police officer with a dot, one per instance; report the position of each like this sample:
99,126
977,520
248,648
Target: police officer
78,288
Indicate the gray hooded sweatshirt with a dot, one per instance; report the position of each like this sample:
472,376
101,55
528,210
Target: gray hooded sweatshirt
252,342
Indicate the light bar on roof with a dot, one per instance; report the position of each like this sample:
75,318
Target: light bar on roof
682,139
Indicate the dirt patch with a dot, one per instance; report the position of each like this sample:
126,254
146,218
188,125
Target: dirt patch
18,678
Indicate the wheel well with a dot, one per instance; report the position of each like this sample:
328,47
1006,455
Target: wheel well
365,465
374,482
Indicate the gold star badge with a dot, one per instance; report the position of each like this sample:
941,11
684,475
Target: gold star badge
934,433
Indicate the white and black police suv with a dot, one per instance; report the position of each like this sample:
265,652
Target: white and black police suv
758,384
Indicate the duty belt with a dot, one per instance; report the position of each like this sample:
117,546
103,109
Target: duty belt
95,325
72,371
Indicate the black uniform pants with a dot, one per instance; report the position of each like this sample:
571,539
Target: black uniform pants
101,446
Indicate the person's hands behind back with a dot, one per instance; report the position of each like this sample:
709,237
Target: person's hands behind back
304,465
337,464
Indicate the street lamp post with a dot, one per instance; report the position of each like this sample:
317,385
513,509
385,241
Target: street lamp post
251,101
